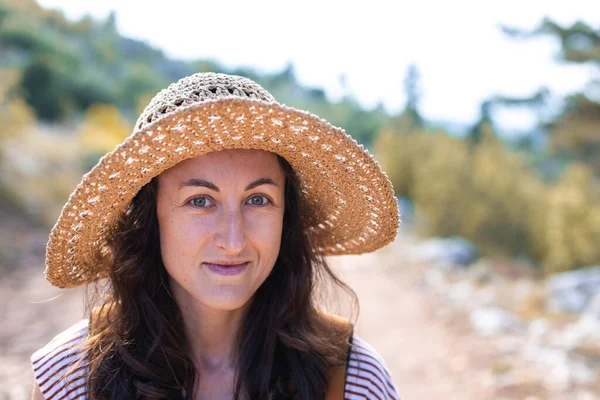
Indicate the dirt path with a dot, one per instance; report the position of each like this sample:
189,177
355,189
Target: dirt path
429,349
32,313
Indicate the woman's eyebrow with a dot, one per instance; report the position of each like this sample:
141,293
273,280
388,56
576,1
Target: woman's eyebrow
199,183
209,185
261,181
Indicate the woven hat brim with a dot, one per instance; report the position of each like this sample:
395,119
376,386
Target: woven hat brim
351,204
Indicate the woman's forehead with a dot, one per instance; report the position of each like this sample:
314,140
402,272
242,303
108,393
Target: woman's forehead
227,164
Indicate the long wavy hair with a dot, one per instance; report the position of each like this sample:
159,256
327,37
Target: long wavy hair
137,348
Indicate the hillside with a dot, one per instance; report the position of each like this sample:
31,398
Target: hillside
69,65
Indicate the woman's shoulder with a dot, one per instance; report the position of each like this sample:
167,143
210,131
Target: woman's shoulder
367,376
59,368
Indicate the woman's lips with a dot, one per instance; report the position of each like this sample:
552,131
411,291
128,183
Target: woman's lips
221,269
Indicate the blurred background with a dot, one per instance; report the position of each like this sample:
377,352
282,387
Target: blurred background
486,118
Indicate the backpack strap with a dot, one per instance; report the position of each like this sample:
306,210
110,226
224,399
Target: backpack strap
337,375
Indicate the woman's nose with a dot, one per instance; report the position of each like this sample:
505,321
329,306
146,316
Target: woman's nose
231,236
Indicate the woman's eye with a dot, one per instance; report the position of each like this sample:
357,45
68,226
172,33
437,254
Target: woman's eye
258,200
200,202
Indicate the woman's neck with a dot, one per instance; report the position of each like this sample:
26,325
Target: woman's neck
212,335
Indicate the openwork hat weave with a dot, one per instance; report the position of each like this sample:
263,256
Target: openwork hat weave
350,201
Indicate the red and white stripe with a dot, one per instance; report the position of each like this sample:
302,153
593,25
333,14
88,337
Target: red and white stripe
53,361
367,376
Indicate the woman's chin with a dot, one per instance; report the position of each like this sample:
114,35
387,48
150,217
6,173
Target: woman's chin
226,299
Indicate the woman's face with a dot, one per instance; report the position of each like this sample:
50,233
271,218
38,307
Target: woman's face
220,218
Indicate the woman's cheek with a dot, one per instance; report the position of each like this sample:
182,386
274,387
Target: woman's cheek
177,235
268,226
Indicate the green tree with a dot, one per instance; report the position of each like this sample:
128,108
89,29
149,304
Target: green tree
42,90
413,96
574,134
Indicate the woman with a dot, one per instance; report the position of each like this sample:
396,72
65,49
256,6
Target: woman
211,223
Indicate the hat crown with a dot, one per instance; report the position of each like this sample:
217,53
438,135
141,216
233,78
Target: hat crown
196,89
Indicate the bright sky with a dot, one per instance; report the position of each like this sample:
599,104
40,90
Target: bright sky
458,46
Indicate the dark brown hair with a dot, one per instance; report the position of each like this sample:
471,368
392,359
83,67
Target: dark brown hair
137,347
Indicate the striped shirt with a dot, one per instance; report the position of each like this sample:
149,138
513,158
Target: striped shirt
366,377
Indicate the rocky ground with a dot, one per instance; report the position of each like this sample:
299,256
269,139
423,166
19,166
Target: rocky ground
444,334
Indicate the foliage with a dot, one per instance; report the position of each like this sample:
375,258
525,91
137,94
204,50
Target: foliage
569,230
574,133
439,180
475,188
15,117
579,42
489,195
15,114
138,81
42,91
101,131
504,192
38,171
69,66
484,194
399,148
411,88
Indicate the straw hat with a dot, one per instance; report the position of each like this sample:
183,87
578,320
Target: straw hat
350,201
